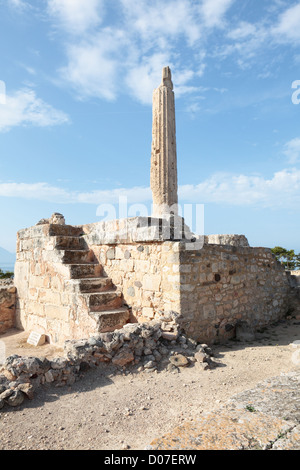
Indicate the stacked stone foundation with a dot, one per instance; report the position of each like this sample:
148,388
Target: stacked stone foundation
208,288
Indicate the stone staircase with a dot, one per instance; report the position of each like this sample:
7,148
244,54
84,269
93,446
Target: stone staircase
96,292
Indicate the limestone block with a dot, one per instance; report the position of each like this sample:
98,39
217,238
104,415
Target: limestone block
148,312
57,312
151,282
49,296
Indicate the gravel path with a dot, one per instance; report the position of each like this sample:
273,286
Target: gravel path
128,410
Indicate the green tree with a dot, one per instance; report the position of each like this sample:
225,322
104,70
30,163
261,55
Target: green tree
288,258
7,275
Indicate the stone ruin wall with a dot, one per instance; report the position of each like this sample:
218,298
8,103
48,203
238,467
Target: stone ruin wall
46,296
7,305
209,290
147,273
223,285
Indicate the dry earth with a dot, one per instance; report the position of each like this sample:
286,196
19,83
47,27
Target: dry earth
109,411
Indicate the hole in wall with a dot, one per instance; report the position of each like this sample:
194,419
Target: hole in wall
217,277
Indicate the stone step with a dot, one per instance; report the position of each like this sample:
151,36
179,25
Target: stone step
93,285
69,243
78,257
65,230
101,301
111,320
84,271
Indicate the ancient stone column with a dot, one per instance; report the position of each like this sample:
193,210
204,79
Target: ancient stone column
164,154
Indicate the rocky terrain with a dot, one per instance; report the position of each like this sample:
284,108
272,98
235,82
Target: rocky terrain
114,408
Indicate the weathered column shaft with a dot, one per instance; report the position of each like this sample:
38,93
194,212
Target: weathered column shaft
164,154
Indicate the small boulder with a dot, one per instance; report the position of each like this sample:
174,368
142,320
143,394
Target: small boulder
179,360
16,398
124,356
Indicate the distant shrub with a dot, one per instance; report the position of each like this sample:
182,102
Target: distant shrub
6,275
288,258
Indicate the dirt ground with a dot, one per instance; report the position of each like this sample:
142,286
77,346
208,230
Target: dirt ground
109,411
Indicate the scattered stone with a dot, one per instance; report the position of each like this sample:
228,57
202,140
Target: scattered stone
171,367
6,394
149,365
179,360
49,376
124,357
27,389
135,342
201,356
16,398
169,336
191,343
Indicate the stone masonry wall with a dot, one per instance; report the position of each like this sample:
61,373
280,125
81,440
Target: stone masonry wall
48,301
224,285
146,273
7,306
209,289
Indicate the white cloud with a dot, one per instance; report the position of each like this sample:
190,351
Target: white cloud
246,40
95,64
39,191
46,192
143,78
292,150
243,31
131,52
168,19
287,28
18,4
76,16
281,191
25,108
214,11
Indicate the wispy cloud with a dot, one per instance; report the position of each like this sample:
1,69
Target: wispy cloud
93,65
214,11
119,47
19,5
23,108
281,191
292,150
76,16
127,53
157,21
287,29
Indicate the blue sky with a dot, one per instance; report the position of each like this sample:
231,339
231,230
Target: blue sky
77,78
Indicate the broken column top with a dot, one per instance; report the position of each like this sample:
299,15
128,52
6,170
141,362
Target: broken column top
167,78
